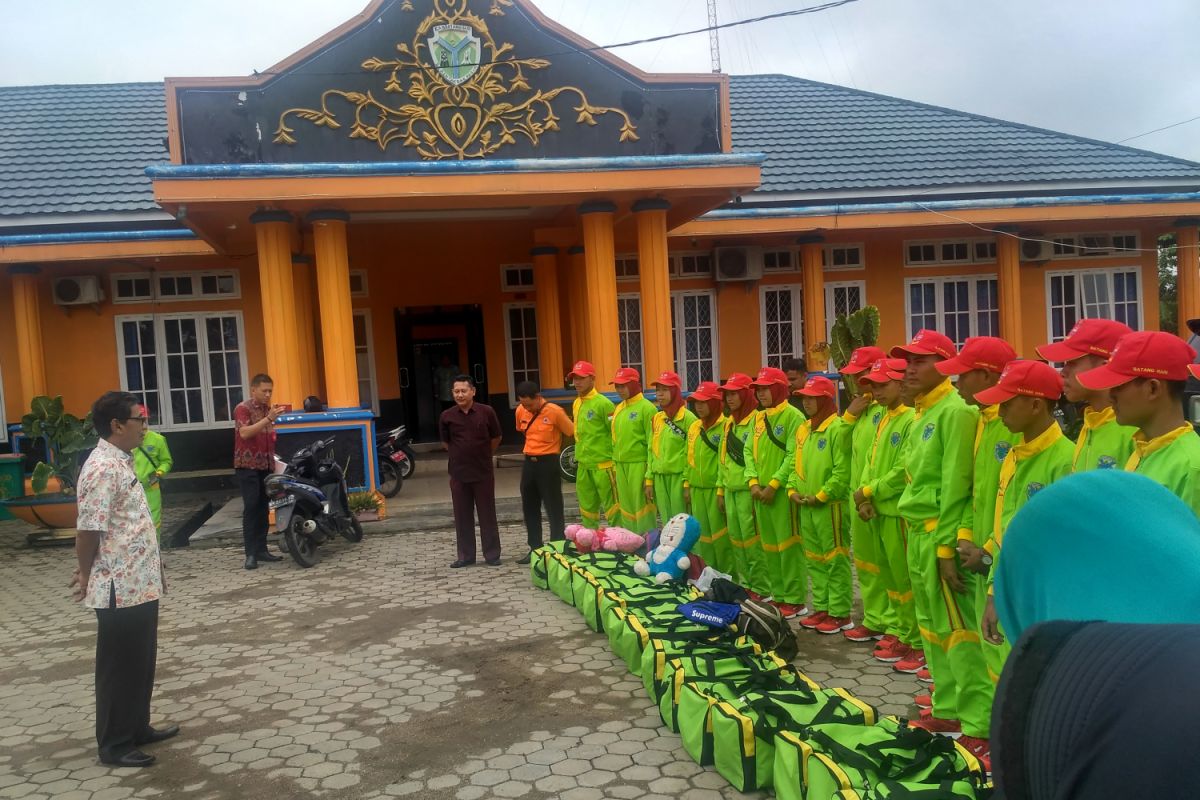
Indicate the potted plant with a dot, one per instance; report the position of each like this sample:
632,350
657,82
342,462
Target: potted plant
68,438
364,506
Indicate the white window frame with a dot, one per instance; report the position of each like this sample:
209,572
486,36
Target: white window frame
366,287
830,316
796,291
1136,269
938,244
676,262
160,357
637,267
508,340
373,390
505,286
939,299
639,365
678,333
827,264
116,277
1075,253
793,260
157,297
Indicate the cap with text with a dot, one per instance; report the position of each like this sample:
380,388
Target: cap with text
862,359
582,369
884,370
1142,354
670,379
1089,337
626,375
926,343
1025,378
737,382
979,352
769,376
707,390
818,386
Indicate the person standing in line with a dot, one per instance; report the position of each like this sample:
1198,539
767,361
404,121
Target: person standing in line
631,431
1103,442
120,575
796,370
253,460
543,425
666,457
703,477
595,478
733,495
769,463
152,460
470,432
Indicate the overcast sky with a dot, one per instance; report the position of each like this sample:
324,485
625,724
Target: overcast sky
1108,69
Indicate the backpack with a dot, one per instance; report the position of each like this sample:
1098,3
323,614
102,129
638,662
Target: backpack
763,623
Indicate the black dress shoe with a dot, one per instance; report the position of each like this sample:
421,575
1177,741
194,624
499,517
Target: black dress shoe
493,562
266,555
251,562
134,758
158,735
525,559
461,563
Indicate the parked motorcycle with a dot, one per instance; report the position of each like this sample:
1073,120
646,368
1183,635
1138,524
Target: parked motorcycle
393,442
311,503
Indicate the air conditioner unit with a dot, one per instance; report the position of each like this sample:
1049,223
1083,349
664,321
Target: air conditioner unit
1033,250
738,263
83,290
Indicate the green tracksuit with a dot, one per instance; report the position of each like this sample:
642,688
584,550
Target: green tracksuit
595,482
868,550
1027,469
666,459
151,460
770,460
702,481
939,470
823,470
1173,460
744,542
1102,444
993,441
631,432
883,482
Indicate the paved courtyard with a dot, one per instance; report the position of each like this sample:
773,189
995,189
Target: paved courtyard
378,673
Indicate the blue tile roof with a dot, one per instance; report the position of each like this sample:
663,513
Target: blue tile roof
80,149
820,138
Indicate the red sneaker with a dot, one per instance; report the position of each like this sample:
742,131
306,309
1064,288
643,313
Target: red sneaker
861,633
949,727
755,596
924,700
813,620
890,650
926,713
923,675
834,625
790,611
911,664
980,748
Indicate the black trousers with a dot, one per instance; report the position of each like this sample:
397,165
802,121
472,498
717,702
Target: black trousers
126,651
255,512
467,498
541,483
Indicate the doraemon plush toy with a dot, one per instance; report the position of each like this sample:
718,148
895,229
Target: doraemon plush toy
669,559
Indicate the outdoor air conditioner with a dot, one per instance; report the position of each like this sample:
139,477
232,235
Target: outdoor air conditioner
1033,250
738,263
83,290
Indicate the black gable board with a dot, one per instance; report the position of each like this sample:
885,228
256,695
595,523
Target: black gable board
541,96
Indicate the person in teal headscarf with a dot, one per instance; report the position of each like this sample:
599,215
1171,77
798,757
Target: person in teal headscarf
1103,545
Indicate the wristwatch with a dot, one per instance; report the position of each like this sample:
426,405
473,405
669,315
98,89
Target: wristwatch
986,559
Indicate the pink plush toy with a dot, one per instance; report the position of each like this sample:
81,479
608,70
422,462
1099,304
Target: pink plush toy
611,540
620,540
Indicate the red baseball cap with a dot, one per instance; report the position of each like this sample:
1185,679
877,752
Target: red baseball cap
1095,337
583,369
926,343
884,370
818,386
862,359
768,376
737,382
669,379
707,390
1142,354
979,352
1024,377
627,375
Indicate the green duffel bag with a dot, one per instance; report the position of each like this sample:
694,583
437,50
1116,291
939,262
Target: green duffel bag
657,670
537,562
730,662
559,577
900,790
637,627
744,730
635,592
601,564
835,758
586,592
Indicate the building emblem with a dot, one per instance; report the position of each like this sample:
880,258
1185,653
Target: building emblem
455,52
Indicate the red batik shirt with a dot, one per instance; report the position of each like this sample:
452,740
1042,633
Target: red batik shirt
257,452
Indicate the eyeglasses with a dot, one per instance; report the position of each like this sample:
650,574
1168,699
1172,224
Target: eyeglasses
143,420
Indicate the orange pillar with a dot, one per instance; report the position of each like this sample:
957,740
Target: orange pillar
654,271
577,285
310,378
600,310
546,309
1008,268
812,279
337,314
28,319
273,232
1187,288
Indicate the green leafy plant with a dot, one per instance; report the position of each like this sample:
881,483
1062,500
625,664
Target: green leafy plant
363,502
850,332
67,437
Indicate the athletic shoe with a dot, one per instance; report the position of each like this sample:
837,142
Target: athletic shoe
924,676
925,713
911,664
924,700
813,620
755,596
834,625
980,748
890,650
790,611
861,633
947,727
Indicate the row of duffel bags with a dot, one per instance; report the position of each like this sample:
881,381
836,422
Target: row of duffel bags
754,717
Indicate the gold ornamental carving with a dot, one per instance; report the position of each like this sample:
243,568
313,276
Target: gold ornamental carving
467,95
